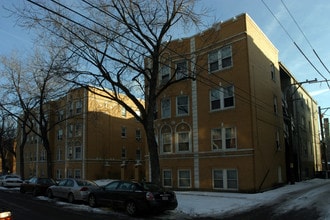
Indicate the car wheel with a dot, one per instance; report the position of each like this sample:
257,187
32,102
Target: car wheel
131,208
50,194
92,201
70,198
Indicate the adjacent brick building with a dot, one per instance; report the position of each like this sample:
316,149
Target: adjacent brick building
92,138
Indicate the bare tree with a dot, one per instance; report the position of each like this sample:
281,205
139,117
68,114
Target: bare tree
32,86
16,101
119,46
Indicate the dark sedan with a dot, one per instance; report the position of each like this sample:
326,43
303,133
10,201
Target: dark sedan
37,185
133,197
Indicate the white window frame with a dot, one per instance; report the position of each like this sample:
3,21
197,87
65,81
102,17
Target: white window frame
166,141
182,105
77,155
225,179
217,58
221,95
223,138
180,178
178,141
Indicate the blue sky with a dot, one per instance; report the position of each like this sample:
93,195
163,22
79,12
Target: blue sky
313,18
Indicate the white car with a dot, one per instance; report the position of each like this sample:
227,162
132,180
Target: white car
72,189
10,180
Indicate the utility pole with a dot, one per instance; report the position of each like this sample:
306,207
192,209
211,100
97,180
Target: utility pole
323,145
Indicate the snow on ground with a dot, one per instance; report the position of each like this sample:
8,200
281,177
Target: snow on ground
216,203
197,203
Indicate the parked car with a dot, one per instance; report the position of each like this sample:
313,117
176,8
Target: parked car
10,180
72,189
37,185
133,197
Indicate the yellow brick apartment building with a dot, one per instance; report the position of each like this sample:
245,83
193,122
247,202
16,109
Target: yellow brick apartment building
92,138
224,129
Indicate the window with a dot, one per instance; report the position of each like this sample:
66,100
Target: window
225,179
216,139
184,179
69,153
167,178
220,59
70,108
58,174
78,130
77,173
223,138
78,107
166,142
277,140
77,153
228,94
138,134
222,98
166,108
123,153
183,141
138,155
60,116
182,105
60,134
165,73
43,155
59,154
272,72
275,105
70,130
181,69
123,131
123,112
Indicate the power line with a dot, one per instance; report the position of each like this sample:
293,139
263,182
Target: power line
206,81
300,50
309,43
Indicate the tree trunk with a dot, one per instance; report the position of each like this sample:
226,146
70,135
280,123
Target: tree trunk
153,150
21,158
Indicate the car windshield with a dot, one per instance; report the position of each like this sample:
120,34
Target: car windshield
12,176
151,187
85,183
